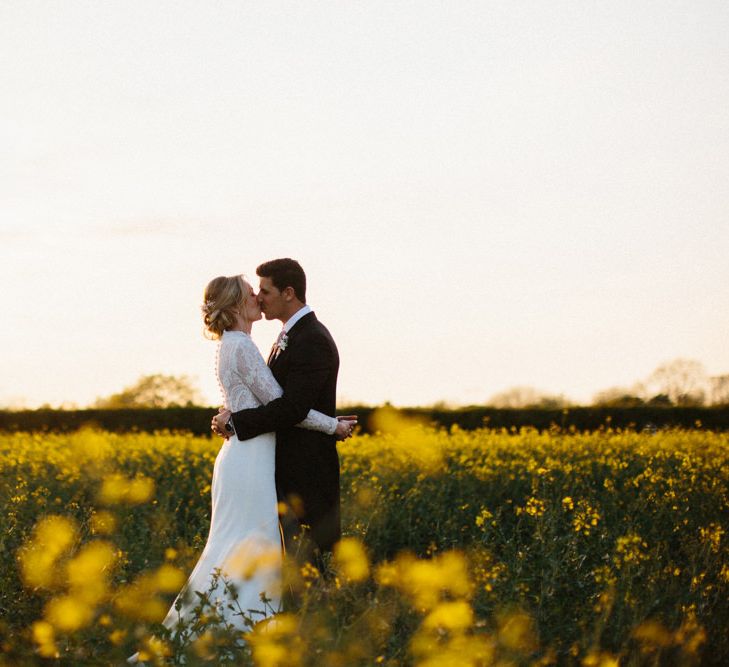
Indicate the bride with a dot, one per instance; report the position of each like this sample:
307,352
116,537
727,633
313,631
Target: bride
244,544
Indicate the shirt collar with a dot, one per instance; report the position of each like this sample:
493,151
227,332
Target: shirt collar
304,310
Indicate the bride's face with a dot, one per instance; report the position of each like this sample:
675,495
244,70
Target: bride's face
251,307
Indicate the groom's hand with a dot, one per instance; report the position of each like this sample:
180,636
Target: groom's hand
219,421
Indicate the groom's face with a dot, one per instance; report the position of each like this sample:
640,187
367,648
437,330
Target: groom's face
273,304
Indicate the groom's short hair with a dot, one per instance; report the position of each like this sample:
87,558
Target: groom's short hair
285,273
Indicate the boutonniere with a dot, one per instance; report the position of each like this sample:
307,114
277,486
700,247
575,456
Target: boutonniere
283,343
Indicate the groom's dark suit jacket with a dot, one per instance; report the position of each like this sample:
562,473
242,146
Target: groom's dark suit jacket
307,463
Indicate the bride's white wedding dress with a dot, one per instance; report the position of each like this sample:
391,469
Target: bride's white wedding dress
244,519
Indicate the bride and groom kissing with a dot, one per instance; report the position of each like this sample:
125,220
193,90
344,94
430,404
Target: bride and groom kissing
275,486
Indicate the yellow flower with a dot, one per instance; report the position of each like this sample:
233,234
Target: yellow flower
277,642
140,490
535,507
117,637
387,574
712,535
585,518
483,517
598,659
251,559
653,633
168,579
52,536
68,613
425,582
455,616
155,647
113,489
351,560
118,489
87,572
459,651
44,637
139,600
416,444
629,550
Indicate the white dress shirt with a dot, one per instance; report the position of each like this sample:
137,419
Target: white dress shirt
304,310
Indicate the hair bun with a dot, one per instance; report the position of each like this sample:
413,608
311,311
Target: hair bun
223,299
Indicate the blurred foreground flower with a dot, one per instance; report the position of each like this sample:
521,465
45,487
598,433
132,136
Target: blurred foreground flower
154,649
276,642
141,600
416,443
68,613
83,580
119,489
427,582
44,637
458,651
88,572
254,558
52,536
351,560
454,616
600,659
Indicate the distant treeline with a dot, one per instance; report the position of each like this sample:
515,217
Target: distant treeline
197,419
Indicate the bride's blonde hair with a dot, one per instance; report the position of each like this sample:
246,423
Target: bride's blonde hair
223,299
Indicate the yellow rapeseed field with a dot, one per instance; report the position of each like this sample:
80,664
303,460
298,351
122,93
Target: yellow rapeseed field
462,548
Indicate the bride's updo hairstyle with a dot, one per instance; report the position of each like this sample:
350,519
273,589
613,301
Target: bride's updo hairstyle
222,301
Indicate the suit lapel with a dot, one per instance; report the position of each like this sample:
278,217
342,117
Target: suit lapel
302,323
274,359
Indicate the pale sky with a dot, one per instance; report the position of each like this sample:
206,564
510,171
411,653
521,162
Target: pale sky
483,194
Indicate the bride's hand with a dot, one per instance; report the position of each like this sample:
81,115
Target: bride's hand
344,428
219,421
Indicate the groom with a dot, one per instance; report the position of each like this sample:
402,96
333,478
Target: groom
304,360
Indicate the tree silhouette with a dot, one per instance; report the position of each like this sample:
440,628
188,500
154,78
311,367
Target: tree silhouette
154,391
618,397
719,389
683,381
527,397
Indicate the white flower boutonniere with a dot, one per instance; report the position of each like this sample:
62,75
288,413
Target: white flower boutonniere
283,343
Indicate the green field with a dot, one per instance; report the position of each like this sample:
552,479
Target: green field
467,548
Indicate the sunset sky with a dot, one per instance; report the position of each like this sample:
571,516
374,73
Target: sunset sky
483,194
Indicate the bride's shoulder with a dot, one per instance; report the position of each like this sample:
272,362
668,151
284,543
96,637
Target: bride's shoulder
231,337
237,340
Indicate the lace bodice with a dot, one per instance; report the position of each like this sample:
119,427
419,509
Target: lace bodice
246,381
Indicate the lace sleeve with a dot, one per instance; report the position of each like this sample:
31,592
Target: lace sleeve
264,387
